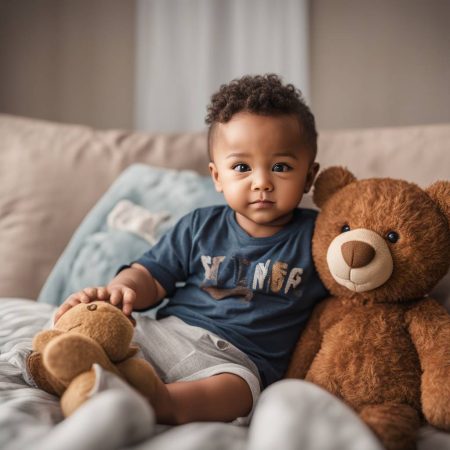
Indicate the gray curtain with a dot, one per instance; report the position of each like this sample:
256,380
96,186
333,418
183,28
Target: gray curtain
187,48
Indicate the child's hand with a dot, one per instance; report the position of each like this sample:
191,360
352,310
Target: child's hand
87,295
118,295
123,297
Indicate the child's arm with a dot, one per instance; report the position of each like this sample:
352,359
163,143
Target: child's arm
132,288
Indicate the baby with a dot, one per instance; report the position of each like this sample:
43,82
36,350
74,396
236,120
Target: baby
249,280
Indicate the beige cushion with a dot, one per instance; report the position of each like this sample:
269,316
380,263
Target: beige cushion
419,154
52,174
50,177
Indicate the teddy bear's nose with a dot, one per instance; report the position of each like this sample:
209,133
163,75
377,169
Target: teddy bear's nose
92,307
357,253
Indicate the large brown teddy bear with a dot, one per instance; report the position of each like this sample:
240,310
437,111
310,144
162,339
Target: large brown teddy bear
379,343
87,334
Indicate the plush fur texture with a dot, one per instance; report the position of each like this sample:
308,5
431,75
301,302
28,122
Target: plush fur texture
384,350
98,332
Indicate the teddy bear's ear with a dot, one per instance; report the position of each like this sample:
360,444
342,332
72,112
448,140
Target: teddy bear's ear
330,181
440,194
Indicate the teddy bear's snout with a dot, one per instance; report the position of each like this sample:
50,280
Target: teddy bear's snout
360,260
357,253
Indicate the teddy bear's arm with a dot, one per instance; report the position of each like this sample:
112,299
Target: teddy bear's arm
429,328
309,343
43,338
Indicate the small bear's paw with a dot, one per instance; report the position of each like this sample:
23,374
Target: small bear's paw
77,392
69,355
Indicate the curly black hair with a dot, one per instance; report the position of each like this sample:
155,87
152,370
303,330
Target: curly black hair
260,94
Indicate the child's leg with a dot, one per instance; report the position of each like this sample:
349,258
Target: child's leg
222,397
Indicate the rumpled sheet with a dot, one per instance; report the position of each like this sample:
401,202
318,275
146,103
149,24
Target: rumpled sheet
290,414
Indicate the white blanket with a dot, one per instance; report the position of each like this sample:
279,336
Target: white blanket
290,414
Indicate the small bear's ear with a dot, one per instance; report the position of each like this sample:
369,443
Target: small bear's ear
440,194
330,181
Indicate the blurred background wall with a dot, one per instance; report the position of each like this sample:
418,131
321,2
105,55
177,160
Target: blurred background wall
187,48
68,60
380,62
151,64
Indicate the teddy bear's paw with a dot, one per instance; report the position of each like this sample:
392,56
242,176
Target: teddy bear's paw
395,424
41,340
40,375
69,355
435,396
77,392
435,403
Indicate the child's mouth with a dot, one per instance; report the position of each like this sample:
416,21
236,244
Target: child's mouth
263,204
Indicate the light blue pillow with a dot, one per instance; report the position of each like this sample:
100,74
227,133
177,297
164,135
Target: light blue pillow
95,251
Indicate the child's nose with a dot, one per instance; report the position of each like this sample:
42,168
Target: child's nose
262,182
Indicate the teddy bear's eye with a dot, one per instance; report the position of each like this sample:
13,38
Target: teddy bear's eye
345,228
392,236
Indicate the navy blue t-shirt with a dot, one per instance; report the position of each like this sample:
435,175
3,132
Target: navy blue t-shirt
256,293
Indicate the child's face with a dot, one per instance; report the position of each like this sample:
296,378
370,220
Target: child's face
263,167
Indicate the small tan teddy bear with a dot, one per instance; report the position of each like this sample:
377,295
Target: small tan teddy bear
97,332
379,342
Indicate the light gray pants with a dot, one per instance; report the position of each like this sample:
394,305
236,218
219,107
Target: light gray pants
181,352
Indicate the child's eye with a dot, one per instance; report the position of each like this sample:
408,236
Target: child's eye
241,167
280,167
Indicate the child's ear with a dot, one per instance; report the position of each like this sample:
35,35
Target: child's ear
215,176
311,176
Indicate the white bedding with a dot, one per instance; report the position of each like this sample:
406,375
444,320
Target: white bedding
290,414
